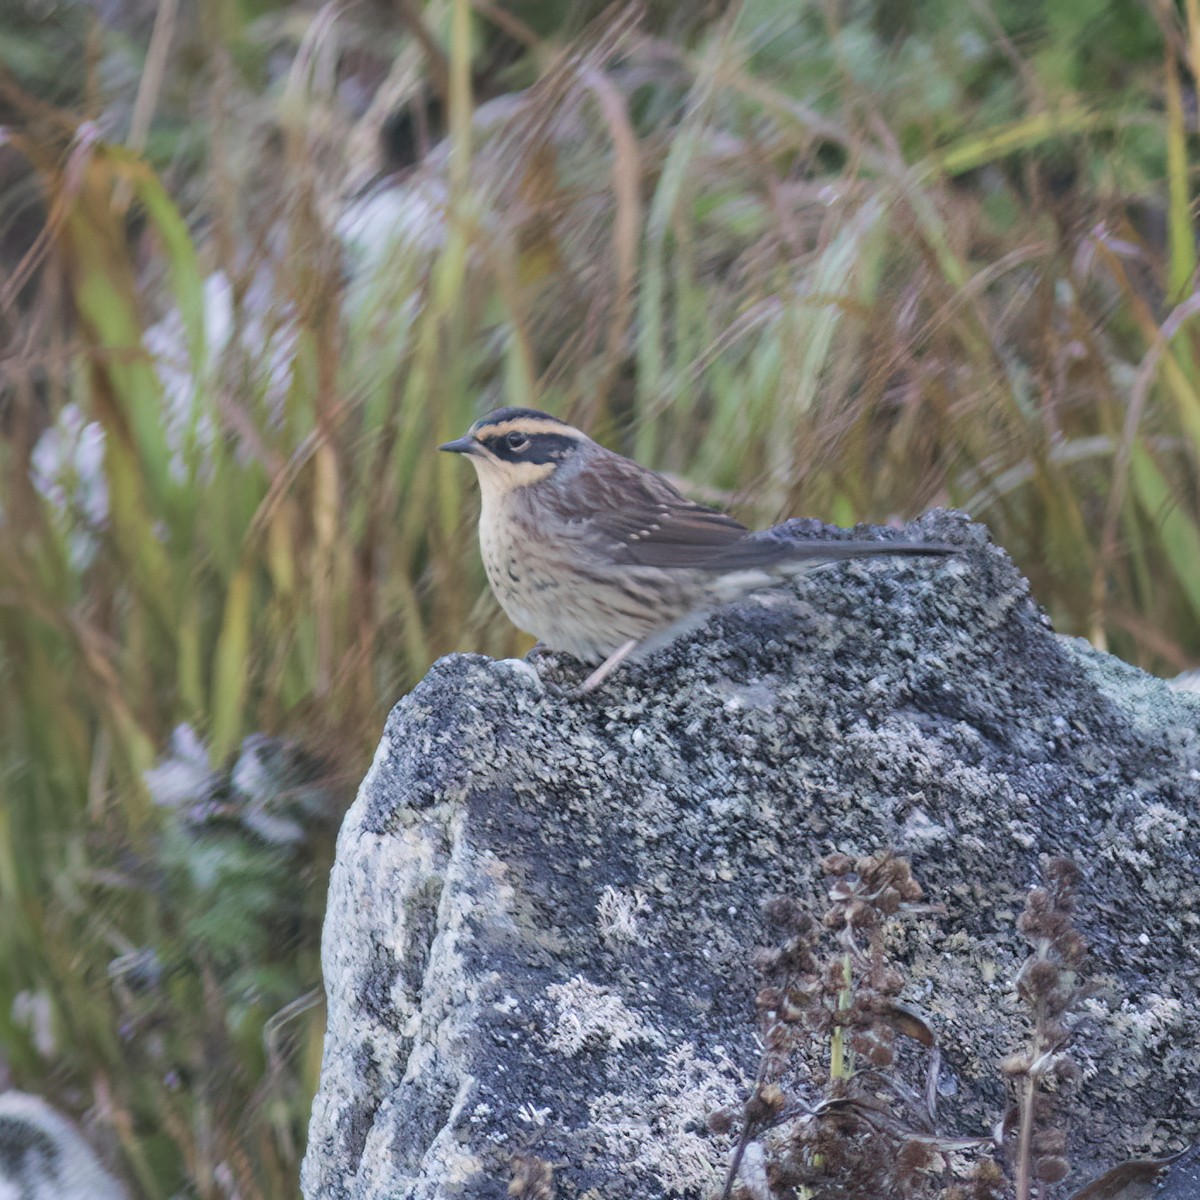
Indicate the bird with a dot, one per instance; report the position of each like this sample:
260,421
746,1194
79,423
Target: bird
605,559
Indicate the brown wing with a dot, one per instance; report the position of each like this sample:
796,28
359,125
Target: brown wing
643,520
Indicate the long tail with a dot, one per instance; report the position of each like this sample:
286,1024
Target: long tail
802,555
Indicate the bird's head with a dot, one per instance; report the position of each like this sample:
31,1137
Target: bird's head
515,447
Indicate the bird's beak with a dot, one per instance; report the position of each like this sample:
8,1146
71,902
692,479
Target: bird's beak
463,445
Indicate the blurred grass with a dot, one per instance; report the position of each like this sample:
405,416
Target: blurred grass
847,260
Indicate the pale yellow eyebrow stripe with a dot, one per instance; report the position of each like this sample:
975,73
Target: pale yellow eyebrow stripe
528,425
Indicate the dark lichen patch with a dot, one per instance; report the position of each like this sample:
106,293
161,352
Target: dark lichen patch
354,1120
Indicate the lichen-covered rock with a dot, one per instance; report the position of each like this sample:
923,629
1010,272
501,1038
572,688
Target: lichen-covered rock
543,908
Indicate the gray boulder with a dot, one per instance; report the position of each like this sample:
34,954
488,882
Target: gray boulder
543,909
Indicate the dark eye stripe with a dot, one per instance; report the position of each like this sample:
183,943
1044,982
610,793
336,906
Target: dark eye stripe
542,448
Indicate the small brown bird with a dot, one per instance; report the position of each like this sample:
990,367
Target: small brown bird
596,555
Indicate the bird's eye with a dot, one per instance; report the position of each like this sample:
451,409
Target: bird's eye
517,441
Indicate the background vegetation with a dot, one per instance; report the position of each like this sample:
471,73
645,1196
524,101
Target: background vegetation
849,258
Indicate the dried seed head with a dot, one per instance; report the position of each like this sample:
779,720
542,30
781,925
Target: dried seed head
903,881
835,976
843,889
917,1156
1015,1064
1064,875
784,911
836,864
1054,1033
794,1006
796,955
777,1040
988,1180
720,1121
772,1095
1071,946
766,959
766,1102
1051,1168
1039,979
768,999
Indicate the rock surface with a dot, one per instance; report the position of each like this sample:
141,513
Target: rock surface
543,909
